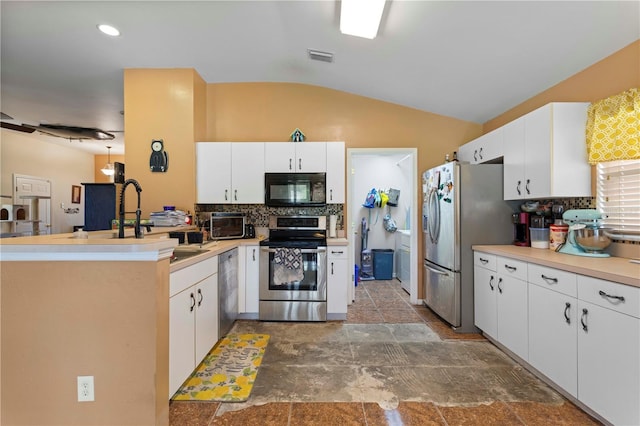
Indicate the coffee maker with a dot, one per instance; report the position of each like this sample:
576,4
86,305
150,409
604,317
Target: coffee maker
521,229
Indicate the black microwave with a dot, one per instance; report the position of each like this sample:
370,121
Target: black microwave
295,189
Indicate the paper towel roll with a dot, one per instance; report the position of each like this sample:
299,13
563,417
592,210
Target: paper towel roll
333,220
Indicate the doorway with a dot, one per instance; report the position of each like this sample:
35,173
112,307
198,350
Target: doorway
383,168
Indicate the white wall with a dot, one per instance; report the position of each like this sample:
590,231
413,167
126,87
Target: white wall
24,154
381,171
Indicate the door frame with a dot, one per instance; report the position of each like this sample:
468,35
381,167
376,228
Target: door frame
410,155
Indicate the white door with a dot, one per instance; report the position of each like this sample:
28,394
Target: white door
553,336
206,335
213,172
181,335
247,173
512,315
485,312
335,173
35,194
280,157
252,276
513,161
537,151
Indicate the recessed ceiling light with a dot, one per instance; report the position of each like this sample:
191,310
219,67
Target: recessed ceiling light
109,30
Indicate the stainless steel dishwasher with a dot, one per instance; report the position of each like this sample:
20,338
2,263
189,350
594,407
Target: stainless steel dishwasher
227,290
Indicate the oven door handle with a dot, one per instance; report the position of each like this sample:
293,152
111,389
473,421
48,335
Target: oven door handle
303,251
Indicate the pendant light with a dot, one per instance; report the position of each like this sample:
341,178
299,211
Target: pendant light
108,168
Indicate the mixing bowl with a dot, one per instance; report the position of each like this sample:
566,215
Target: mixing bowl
592,240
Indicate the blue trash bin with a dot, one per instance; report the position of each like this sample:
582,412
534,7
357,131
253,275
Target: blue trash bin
382,264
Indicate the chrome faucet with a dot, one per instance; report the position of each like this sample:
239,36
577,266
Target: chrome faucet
137,230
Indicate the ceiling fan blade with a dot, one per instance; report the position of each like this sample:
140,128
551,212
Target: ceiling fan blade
17,127
72,132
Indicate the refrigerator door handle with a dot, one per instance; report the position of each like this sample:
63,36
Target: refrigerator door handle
437,271
433,218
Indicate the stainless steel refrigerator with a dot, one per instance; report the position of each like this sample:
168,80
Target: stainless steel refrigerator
462,207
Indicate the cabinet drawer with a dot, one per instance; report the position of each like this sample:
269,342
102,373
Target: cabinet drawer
337,252
484,260
554,279
618,297
511,268
185,278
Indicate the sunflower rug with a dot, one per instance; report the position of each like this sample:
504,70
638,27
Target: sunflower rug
228,372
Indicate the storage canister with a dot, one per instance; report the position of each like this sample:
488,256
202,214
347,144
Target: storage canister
539,237
557,235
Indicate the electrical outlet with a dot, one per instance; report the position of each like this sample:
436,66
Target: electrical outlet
85,389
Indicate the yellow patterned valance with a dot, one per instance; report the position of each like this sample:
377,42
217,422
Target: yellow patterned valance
613,128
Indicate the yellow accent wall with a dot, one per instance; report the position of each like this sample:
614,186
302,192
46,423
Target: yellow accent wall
162,104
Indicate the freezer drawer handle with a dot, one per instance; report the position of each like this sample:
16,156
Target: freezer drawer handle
491,282
499,282
510,268
582,318
549,279
484,261
434,270
610,296
567,306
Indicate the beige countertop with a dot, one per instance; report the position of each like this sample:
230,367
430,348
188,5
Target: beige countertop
617,269
337,242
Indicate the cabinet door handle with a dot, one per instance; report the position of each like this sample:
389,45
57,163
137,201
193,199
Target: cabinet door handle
475,155
235,194
201,297
483,261
567,306
510,268
518,187
331,195
226,195
254,255
550,280
299,163
336,252
583,318
499,282
527,186
193,302
481,153
331,268
491,282
610,296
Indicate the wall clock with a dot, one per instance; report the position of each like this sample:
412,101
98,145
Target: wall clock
159,161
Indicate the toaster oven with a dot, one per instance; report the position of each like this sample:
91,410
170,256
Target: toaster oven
226,226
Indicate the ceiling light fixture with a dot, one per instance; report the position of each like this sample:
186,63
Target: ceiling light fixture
109,30
108,168
361,18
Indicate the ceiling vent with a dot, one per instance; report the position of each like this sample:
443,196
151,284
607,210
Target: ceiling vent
318,55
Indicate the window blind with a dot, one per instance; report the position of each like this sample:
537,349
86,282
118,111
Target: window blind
618,197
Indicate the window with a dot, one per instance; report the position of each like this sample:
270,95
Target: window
618,197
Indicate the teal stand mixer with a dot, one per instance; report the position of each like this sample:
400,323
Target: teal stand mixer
586,236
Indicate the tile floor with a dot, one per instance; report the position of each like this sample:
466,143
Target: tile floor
389,363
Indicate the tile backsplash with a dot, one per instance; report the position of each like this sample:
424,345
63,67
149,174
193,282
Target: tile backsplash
258,214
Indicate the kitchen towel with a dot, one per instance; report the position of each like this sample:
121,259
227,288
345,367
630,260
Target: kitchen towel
287,266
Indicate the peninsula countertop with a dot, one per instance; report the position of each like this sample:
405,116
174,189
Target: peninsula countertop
617,269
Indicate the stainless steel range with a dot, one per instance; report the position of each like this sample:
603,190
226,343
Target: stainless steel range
293,269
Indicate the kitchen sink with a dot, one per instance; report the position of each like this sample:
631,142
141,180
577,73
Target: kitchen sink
182,253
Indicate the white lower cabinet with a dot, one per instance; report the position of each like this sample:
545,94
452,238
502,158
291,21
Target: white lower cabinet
193,318
248,290
337,281
512,307
552,336
583,332
609,350
501,300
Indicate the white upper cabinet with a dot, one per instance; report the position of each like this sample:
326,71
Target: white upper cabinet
486,148
335,173
545,154
230,172
295,157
